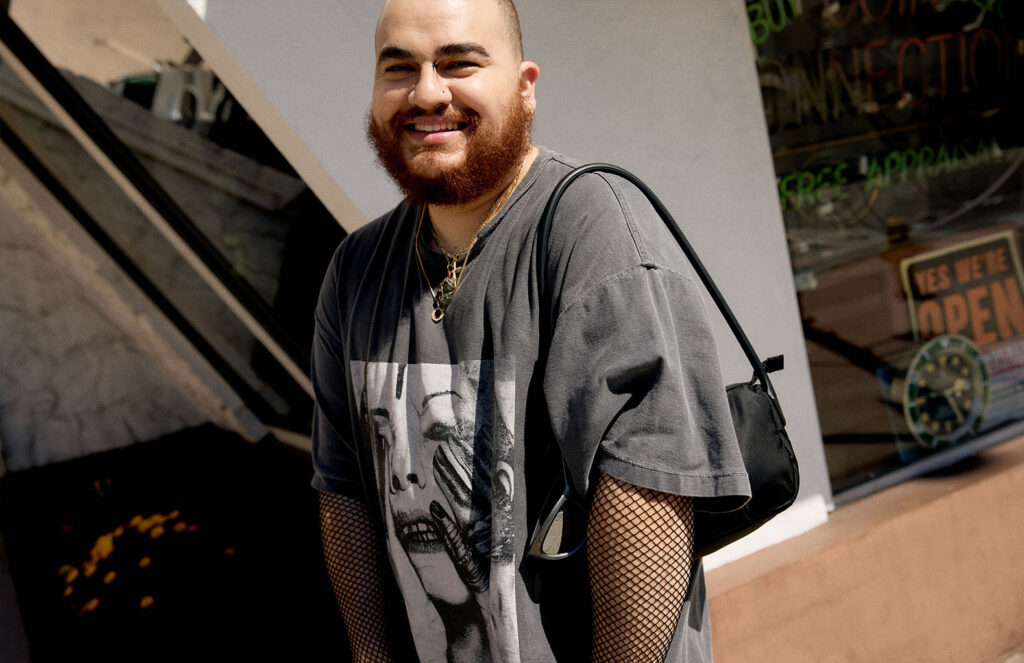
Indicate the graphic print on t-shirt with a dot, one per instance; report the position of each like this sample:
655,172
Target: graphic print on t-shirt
442,448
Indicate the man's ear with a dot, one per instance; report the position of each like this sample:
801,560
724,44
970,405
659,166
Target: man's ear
528,73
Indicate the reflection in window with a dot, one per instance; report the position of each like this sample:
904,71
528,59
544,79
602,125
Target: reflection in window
896,133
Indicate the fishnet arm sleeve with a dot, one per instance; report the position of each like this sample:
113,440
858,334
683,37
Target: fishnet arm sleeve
354,555
639,554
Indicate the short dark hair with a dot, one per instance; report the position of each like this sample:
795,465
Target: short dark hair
512,20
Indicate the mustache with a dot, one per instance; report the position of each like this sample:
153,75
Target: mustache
450,114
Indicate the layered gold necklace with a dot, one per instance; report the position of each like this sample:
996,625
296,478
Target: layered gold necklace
455,273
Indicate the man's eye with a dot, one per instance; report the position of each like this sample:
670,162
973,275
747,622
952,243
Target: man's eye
460,66
397,69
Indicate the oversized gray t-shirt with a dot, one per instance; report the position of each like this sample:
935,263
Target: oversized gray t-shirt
444,428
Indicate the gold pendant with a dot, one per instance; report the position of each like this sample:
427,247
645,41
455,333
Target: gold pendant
445,291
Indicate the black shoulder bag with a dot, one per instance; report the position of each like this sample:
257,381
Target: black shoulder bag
756,413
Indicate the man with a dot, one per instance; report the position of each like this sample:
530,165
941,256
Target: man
444,406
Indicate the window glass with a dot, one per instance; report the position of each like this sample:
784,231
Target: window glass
895,127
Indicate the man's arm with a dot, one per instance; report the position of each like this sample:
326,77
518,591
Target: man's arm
639,555
354,554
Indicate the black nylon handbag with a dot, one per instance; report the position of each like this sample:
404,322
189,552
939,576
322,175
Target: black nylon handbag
757,416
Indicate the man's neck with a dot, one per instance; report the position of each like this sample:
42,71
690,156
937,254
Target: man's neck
455,225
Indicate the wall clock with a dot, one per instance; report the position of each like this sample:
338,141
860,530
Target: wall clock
946,392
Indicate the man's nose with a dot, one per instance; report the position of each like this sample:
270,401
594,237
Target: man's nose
430,90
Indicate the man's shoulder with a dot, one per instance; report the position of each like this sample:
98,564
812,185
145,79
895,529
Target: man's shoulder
363,243
598,190
371,233
597,205
555,159
605,224
552,167
356,255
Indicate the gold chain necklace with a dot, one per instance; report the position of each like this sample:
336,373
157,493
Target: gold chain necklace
454,273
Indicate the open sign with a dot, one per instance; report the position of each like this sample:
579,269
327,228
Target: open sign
975,289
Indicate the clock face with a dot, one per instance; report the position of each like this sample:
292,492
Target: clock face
946,392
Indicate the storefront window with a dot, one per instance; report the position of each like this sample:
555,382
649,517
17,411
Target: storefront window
896,131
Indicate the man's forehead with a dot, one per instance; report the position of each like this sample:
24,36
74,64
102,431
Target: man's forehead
402,22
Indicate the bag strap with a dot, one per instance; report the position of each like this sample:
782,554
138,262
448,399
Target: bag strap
761,369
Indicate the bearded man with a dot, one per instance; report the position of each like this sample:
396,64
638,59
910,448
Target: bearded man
445,409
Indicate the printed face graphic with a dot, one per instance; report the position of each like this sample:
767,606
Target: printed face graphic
428,463
442,456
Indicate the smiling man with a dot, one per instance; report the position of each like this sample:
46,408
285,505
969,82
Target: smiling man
445,412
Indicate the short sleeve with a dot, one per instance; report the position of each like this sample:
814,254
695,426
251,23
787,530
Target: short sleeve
335,462
635,368
632,381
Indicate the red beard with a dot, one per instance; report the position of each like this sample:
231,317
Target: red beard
490,156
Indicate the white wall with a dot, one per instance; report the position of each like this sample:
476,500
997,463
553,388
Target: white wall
666,88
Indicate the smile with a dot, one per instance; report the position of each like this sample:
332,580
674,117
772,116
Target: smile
431,128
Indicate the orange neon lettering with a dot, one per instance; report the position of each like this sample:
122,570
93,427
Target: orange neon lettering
929,319
980,314
954,308
1009,309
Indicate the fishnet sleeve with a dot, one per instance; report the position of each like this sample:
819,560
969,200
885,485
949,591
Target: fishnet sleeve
639,554
354,555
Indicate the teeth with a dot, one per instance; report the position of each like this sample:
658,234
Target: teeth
419,532
448,126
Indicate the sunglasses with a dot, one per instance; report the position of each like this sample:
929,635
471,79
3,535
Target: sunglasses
561,530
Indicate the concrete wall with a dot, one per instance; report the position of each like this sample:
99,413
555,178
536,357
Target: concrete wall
84,364
666,88
231,198
87,363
